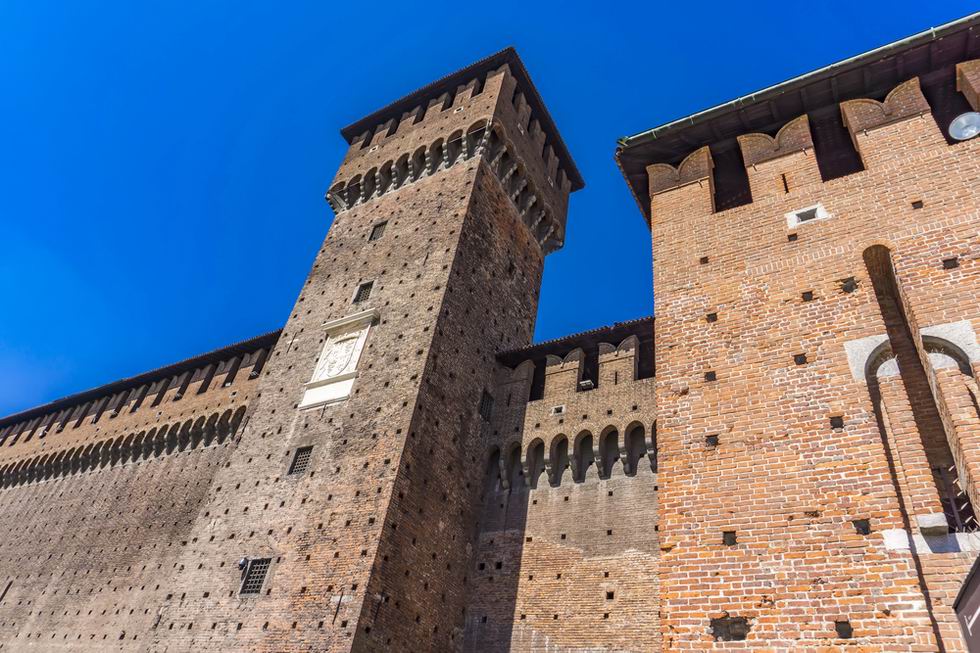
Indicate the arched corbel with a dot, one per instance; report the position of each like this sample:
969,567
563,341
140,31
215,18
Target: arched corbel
793,137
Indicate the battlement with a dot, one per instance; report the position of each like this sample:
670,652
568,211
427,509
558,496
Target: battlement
809,130
125,402
489,111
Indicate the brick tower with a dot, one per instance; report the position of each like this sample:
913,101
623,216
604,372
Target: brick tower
815,262
344,517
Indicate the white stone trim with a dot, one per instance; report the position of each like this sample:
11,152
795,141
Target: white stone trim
858,352
354,318
898,539
793,218
959,333
338,387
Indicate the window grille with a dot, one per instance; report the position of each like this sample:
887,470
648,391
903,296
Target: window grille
363,292
255,575
378,230
486,405
301,460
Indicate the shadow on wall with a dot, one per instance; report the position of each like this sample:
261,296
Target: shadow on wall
513,484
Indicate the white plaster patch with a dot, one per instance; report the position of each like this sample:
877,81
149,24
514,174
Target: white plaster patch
933,523
858,351
898,539
960,334
939,360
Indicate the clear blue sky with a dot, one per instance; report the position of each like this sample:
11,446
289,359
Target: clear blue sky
162,164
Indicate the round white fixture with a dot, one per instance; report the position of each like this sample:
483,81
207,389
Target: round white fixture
965,126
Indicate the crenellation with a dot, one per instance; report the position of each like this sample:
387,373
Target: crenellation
968,81
401,469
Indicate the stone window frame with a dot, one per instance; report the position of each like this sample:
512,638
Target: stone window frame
793,217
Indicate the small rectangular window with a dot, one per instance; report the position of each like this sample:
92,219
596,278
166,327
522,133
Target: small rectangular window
809,214
301,460
255,575
363,292
378,230
486,405
557,410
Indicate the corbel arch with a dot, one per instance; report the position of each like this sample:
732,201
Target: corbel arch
534,462
584,457
558,459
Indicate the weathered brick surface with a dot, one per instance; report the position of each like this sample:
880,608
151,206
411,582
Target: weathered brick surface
781,476
97,520
567,553
809,436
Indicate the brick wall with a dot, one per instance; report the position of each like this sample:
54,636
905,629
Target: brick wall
786,479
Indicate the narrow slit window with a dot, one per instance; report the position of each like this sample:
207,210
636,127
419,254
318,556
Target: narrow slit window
486,405
255,575
301,460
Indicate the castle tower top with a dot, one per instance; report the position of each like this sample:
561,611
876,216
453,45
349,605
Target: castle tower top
450,85
489,110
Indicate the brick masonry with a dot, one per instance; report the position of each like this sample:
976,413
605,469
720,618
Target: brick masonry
794,468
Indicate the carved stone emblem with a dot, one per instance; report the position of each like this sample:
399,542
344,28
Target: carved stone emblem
337,357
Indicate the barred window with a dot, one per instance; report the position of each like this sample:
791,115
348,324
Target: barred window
378,230
301,460
255,575
363,292
486,405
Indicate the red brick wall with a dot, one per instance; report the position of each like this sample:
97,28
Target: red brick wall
786,481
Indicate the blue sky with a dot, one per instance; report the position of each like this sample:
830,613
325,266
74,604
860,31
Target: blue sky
163,165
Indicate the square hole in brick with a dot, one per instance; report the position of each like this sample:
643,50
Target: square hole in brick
917,204
951,263
710,376
844,629
610,596
563,536
728,538
848,285
837,422
799,359
609,532
711,317
729,629
792,238
862,526
808,296
704,260
711,440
